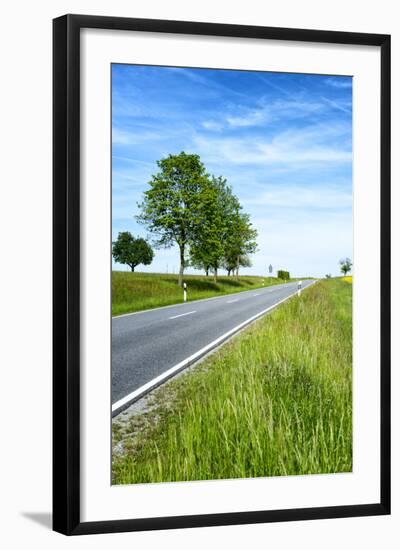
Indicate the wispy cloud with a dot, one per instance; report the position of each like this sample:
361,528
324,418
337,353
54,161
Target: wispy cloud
205,78
212,125
305,145
284,142
133,137
133,160
344,106
339,82
268,112
302,197
248,118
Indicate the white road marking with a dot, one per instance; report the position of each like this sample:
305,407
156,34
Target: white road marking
146,388
182,314
144,311
232,301
256,295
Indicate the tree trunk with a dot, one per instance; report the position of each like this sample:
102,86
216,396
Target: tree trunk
207,271
229,272
237,267
132,268
182,265
215,275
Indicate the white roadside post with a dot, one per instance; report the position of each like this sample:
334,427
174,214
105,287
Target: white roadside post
184,292
298,288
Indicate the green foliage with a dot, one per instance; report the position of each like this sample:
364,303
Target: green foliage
207,247
284,275
225,234
275,401
171,205
130,251
241,241
345,265
199,213
328,276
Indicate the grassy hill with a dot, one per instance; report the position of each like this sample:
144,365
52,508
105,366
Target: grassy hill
137,291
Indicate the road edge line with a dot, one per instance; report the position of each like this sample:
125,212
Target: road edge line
122,404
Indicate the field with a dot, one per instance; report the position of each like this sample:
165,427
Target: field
137,291
275,401
348,279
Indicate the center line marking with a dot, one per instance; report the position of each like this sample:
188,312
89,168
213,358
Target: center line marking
232,301
182,314
256,295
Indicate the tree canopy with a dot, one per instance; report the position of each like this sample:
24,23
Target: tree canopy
198,212
225,235
345,265
130,251
170,206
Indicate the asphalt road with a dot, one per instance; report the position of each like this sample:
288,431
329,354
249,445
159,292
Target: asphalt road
148,343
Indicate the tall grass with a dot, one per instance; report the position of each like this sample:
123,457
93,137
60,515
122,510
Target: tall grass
138,291
276,400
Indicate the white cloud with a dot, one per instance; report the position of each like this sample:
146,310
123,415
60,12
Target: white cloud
250,118
301,197
267,112
133,160
307,145
339,83
212,125
343,106
199,77
123,137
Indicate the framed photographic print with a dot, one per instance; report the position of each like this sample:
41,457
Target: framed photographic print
221,274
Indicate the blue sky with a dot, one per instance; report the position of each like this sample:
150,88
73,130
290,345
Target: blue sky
283,141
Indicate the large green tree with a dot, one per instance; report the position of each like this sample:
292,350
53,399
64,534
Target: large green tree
130,251
224,236
171,204
207,248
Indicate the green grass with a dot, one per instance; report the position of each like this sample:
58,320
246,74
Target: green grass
276,400
137,291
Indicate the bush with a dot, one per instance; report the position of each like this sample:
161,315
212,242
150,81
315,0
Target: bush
284,275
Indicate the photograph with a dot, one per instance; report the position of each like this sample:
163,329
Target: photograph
232,263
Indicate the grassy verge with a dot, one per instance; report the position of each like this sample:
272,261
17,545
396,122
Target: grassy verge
276,400
137,291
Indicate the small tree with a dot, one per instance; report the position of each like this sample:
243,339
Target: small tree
345,265
230,264
130,251
328,276
241,240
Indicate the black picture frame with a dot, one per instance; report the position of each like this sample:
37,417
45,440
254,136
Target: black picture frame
66,273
